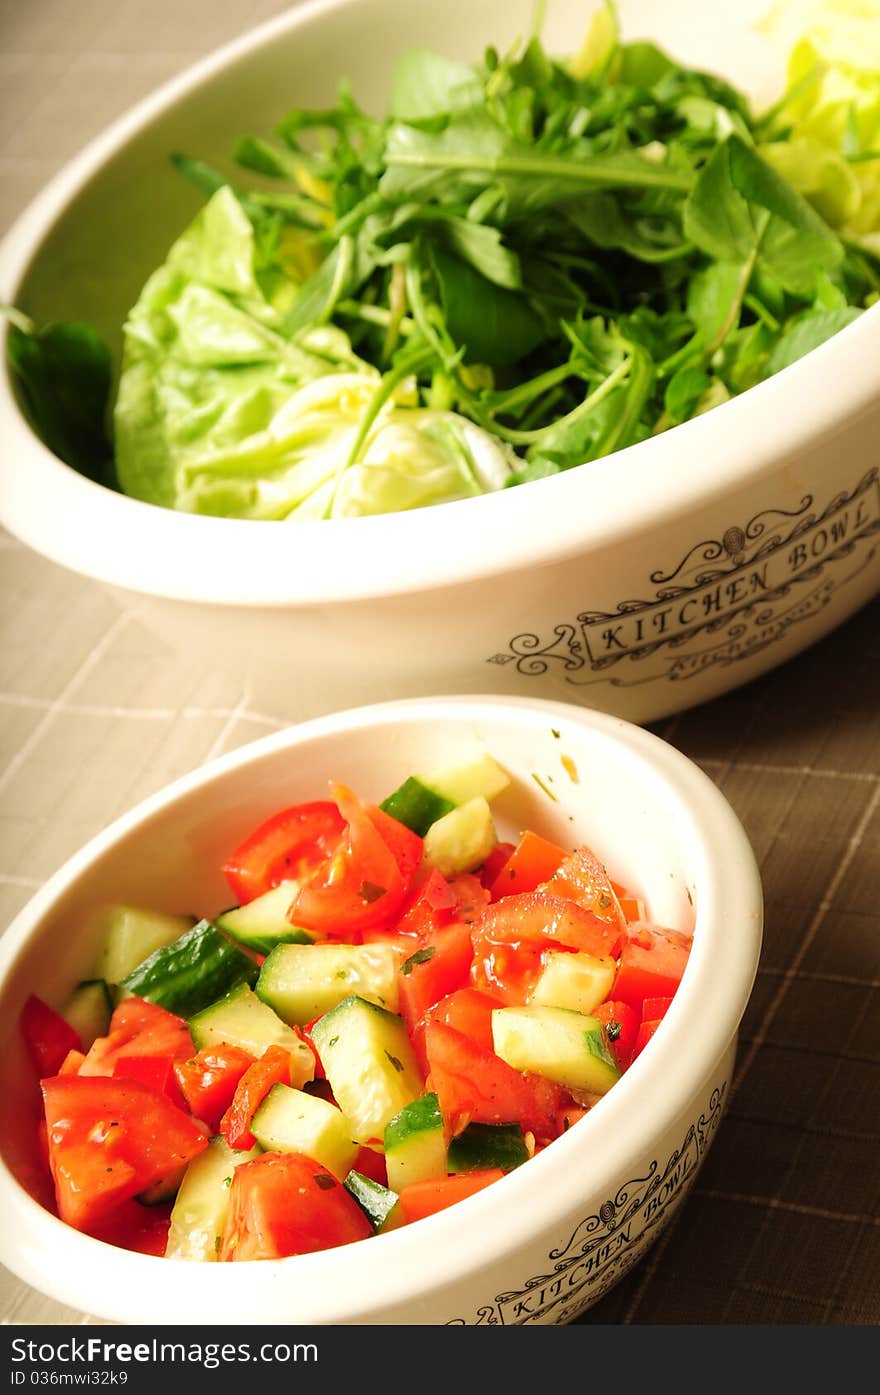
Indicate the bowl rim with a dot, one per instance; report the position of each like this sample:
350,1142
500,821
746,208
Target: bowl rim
664,1081
587,508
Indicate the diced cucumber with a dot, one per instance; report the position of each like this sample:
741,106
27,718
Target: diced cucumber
415,1144
413,804
290,1121
562,1045
199,1213
262,924
461,783
240,1019
461,841
301,982
131,935
380,1205
195,970
488,1145
578,981
88,1010
369,1062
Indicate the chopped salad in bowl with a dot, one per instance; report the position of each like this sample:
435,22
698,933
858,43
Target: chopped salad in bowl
400,1009
484,1019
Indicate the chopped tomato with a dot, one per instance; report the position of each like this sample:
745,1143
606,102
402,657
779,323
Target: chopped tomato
533,861
273,1068
138,1028
470,1012
208,1080
422,1199
47,1036
132,1226
645,1033
621,1023
370,1162
494,862
362,887
429,906
289,846
437,967
110,1139
286,1204
651,964
653,1009
473,1084
512,934
71,1063
471,897
582,878
406,847
155,1071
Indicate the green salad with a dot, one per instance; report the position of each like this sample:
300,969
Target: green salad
526,264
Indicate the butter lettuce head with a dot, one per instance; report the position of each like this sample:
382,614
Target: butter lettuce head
834,113
219,411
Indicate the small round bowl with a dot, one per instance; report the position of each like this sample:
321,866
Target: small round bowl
639,584
546,1241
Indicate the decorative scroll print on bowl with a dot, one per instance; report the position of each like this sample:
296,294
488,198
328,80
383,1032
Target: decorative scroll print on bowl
604,1246
732,597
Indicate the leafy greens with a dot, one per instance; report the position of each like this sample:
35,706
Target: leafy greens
525,265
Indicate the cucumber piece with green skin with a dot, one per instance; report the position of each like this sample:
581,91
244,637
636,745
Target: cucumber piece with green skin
380,1205
488,1145
262,924
577,981
415,805
195,970
198,1216
369,1062
461,841
460,783
302,982
415,1144
565,1046
88,1010
290,1121
131,935
240,1019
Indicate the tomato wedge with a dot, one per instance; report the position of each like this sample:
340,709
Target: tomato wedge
138,1028
583,879
209,1079
286,1204
621,1023
651,964
47,1036
109,1140
439,966
273,1068
289,846
422,1199
473,1084
532,862
512,934
365,883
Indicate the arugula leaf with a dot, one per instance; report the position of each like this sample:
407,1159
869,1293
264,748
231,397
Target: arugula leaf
426,84
64,373
491,324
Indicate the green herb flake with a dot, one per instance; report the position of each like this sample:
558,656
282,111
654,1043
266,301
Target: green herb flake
398,1065
541,785
613,1030
421,956
325,1181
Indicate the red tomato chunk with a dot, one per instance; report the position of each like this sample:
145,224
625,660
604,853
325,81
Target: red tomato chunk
285,1204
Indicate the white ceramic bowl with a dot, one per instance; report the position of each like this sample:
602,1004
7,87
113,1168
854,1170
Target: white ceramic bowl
640,584
544,1242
